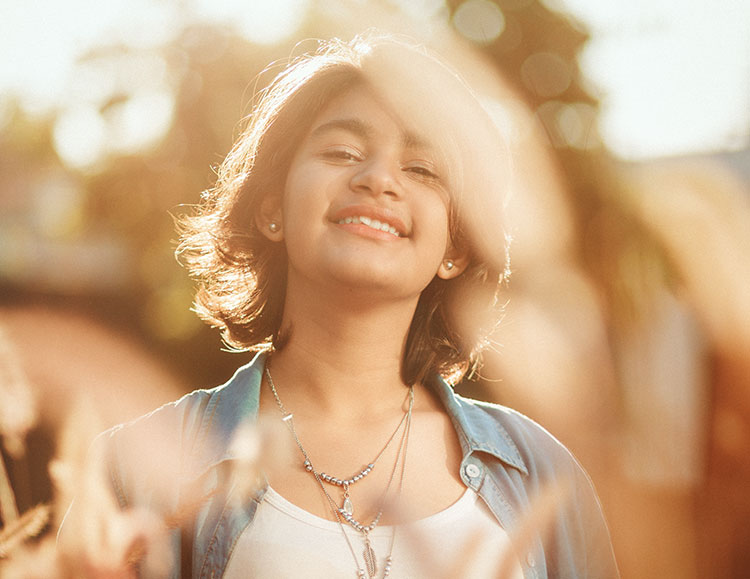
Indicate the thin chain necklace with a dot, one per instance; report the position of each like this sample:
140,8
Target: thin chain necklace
345,512
347,508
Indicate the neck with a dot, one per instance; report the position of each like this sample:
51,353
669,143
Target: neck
343,359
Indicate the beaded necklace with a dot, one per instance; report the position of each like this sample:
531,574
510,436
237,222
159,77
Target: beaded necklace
345,512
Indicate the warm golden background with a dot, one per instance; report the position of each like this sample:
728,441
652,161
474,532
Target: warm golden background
627,331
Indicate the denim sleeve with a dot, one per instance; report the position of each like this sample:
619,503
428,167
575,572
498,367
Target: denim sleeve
574,536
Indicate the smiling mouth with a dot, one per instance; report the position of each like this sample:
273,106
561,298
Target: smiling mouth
371,223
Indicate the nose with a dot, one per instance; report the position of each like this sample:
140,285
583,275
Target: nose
377,177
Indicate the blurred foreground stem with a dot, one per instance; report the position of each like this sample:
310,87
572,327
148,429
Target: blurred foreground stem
8,508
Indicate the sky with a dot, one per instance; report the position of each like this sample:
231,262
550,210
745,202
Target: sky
673,76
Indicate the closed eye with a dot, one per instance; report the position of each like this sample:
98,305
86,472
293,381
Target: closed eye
422,171
341,154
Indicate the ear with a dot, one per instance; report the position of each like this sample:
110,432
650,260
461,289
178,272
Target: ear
455,261
268,219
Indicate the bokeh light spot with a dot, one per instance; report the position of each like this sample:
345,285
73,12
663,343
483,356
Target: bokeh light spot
570,124
577,125
479,20
141,121
79,137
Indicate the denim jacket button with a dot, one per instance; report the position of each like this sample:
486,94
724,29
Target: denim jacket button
472,470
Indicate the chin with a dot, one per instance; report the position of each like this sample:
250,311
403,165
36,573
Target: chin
364,280
377,282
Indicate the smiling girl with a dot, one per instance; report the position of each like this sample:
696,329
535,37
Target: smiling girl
346,242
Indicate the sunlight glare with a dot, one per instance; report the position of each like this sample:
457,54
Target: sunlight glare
261,21
141,121
79,137
41,41
425,10
672,75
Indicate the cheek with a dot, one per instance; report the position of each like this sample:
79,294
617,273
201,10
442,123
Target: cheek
298,198
439,231
304,209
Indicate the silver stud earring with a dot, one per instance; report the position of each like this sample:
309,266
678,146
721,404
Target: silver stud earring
273,227
449,264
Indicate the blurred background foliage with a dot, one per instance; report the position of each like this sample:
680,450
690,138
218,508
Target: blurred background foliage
90,182
88,188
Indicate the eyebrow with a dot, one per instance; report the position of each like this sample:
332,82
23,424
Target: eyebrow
365,130
355,126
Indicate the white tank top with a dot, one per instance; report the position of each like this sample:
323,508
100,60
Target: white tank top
462,541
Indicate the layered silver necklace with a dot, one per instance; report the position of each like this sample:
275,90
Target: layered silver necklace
345,512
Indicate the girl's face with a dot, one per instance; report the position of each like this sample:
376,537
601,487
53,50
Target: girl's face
365,204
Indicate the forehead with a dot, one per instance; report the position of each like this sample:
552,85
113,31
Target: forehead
360,112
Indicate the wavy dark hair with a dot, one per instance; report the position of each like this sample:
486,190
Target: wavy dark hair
241,275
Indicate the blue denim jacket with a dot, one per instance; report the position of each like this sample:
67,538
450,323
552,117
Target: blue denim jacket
507,458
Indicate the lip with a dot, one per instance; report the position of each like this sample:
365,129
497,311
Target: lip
380,213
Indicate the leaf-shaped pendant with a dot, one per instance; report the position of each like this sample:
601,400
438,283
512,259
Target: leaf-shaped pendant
370,562
348,507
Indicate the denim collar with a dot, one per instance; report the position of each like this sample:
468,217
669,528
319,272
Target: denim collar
477,429
236,402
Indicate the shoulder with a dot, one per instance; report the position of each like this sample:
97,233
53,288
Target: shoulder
180,440
201,408
539,449
553,486
507,434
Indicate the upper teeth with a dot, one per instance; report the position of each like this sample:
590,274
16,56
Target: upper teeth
374,223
